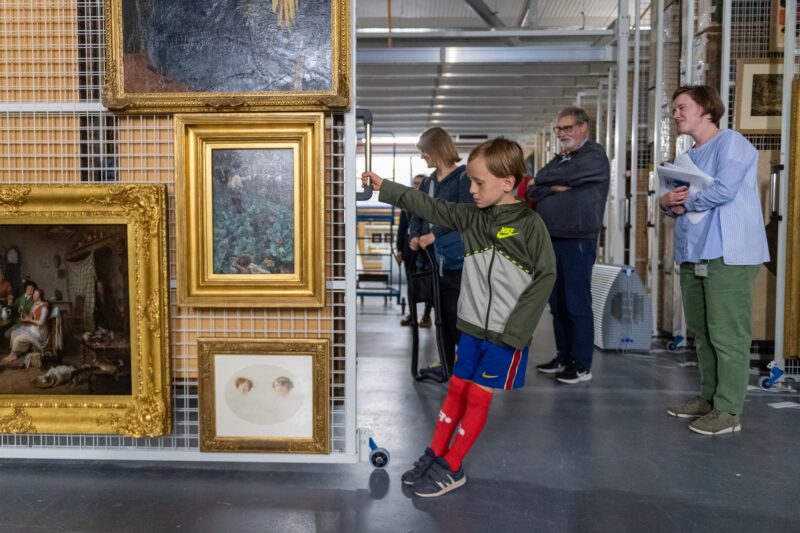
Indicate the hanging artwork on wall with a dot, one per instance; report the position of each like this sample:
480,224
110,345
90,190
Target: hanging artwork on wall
777,28
759,93
217,55
87,351
264,395
250,210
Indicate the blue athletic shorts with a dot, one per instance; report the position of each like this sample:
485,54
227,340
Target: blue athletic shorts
489,364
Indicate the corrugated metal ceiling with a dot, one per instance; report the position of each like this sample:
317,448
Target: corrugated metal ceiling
489,96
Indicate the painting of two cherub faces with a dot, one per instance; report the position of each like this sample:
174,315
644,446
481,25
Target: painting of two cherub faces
64,316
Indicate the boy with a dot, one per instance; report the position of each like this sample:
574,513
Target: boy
509,272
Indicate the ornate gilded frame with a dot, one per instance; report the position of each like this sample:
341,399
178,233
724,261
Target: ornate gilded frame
212,352
196,138
115,96
142,209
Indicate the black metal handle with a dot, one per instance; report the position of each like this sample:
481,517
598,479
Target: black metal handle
775,172
366,116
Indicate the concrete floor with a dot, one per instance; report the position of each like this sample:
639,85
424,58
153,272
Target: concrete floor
601,456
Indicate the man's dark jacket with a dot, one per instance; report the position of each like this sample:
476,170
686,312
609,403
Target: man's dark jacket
578,212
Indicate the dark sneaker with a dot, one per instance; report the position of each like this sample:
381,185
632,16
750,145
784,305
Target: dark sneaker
716,423
406,320
421,466
553,367
425,322
691,408
438,480
574,374
434,371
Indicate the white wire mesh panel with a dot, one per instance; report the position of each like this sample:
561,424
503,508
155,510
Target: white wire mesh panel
54,130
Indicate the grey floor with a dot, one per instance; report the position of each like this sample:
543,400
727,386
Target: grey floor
598,456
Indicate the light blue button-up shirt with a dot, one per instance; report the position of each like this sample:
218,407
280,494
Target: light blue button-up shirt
733,228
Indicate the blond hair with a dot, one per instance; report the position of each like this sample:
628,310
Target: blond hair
438,144
502,157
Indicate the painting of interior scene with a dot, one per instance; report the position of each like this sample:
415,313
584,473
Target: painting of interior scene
64,316
253,211
230,46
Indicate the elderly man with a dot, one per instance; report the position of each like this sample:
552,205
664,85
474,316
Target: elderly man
570,194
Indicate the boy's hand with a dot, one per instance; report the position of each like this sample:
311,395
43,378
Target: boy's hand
376,180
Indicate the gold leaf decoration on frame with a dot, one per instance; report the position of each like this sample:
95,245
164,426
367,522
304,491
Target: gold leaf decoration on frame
12,197
19,421
139,200
144,418
149,314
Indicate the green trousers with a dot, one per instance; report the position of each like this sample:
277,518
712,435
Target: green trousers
718,310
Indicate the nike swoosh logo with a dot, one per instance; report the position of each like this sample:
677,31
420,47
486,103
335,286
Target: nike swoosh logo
504,233
487,376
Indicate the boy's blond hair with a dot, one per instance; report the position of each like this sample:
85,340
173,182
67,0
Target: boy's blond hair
502,157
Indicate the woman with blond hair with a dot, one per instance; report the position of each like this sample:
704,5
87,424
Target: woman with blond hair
449,181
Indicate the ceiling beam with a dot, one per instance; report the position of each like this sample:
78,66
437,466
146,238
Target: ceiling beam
484,55
562,35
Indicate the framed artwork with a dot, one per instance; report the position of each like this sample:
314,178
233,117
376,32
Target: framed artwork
777,28
250,210
759,93
264,395
223,55
86,352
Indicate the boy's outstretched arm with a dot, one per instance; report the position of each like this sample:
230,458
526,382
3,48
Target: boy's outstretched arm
436,210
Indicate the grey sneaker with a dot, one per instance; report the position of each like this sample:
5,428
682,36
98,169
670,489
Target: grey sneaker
421,466
691,408
438,480
716,423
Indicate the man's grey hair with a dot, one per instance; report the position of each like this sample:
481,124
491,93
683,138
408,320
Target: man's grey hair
574,111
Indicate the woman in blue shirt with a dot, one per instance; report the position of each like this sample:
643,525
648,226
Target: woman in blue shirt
719,252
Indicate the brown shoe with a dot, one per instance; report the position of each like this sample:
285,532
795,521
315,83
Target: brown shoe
406,321
425,322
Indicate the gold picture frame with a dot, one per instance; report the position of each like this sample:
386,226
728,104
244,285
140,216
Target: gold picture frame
777,26
759,93
99,360
227,56
250,209
264,395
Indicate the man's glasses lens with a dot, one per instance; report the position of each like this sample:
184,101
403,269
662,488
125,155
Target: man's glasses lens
565,129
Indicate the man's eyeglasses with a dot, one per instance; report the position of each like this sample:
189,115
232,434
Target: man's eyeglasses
565,129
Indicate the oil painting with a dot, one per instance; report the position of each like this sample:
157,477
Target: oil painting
83,310
194,55
250,209
253,211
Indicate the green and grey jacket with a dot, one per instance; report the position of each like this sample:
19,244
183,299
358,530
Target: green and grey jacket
509,265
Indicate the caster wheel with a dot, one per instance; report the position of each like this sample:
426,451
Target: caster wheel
765,384
379,457
672,346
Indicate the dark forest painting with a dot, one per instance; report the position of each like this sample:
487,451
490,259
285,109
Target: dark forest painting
228,46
